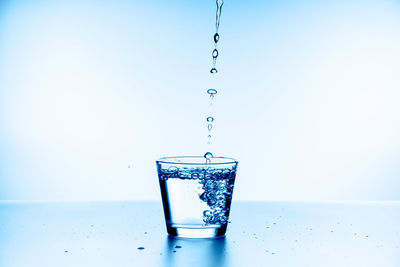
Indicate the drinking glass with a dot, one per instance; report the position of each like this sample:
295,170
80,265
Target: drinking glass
196,194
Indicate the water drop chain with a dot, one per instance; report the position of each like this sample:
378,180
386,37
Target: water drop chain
212,92
215,52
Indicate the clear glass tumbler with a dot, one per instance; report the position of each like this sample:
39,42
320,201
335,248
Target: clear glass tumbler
196,194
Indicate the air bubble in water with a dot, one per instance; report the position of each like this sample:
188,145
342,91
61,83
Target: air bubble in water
209,126
208,155
210,119
207,213
209,136
213,70
216,38
173,169
215,53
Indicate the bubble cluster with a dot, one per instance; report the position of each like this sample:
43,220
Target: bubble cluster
216,188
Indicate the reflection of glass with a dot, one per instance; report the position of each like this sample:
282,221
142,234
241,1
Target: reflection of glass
197,194
195,252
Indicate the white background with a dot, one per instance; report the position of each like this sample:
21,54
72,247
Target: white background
307,101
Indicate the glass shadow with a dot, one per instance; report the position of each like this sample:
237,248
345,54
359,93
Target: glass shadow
195,252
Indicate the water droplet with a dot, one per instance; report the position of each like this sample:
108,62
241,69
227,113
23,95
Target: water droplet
66,251
216,38
210,119
140,248
209,136
213,70
215,53
209,126
177,246
212,92
208,155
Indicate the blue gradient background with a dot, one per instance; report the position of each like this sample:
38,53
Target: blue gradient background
308,96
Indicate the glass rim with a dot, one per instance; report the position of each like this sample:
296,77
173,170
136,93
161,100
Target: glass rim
169,160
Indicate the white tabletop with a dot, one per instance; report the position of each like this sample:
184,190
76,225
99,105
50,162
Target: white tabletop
261,234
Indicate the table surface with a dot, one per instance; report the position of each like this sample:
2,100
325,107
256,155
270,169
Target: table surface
260,234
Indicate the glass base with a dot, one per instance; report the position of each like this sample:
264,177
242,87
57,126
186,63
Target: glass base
196,232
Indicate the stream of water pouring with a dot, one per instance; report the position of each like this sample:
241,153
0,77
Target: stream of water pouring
213,71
